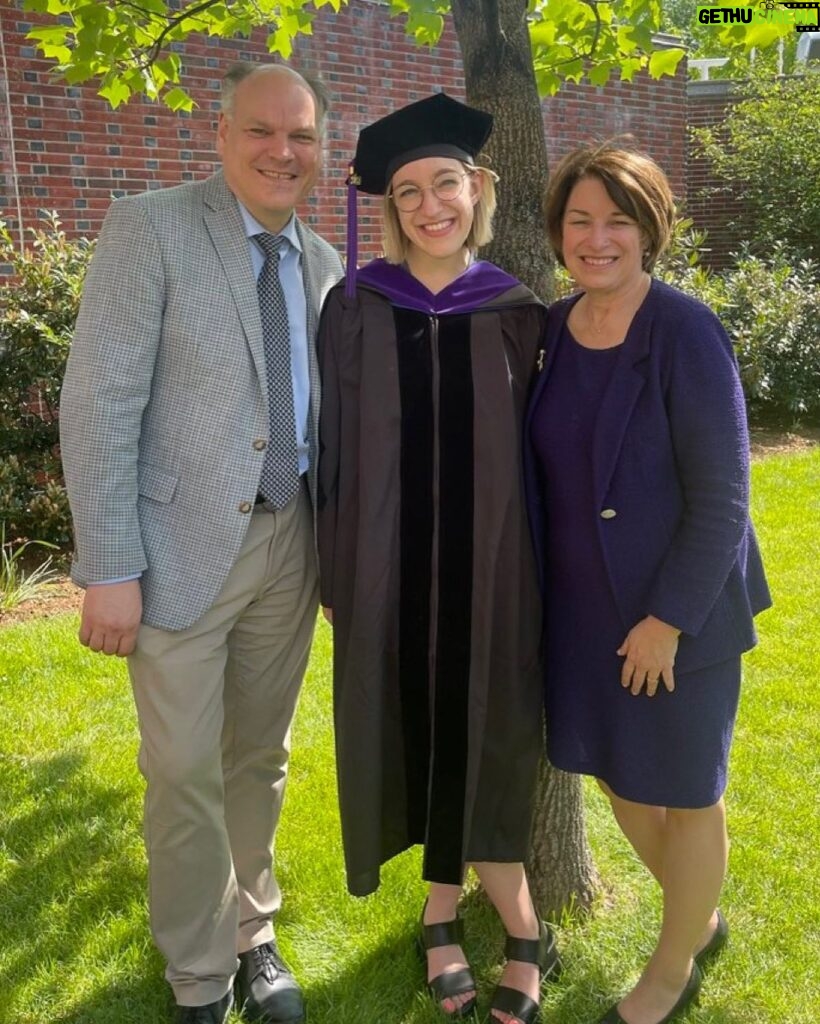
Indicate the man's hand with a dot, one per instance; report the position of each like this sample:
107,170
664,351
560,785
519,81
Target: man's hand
111,617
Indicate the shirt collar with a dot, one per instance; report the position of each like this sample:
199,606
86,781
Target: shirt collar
253,227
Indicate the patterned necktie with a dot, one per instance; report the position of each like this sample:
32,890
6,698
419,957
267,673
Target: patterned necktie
280,471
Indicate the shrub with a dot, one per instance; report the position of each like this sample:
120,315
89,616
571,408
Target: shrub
771,310
768,151
38,307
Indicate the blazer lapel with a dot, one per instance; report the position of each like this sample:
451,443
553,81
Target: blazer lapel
224,224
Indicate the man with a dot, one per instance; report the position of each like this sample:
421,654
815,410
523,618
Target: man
188,431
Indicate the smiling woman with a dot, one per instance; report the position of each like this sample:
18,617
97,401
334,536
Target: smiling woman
637,465
425,559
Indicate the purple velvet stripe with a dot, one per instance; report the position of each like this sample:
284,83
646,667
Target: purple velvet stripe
352,253
477,286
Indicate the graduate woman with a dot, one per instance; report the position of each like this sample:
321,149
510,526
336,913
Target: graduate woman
425,555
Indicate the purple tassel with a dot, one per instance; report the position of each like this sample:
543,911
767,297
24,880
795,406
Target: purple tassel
353,180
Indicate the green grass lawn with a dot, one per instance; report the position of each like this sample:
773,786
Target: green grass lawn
74,941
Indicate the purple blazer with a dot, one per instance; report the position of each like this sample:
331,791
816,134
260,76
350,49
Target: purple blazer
670,461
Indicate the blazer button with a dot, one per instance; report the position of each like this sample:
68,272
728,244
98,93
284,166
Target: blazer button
608,513
245,507
260,444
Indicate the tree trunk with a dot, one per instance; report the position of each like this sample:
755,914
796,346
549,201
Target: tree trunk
498,71
499,75
559,864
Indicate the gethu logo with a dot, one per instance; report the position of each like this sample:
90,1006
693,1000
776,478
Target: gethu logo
804,16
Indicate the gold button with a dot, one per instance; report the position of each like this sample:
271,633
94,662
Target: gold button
245,507
608,513
260,444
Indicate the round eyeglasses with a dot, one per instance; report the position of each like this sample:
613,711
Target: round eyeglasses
409,197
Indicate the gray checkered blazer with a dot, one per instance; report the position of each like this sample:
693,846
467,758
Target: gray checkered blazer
164,395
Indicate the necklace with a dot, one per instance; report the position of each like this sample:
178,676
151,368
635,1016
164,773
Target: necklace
613,318
608,320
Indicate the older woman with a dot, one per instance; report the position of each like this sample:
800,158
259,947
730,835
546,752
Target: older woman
638,480
425,555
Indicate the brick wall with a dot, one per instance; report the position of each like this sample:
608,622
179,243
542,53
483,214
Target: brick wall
64,148
654,112
711,204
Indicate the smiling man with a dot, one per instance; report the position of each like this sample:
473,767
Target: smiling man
188,430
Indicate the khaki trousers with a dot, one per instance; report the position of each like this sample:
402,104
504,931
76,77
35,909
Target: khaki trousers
215,704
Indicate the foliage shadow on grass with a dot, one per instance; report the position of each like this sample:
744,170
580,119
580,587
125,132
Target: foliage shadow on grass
387,985
378,982
137,1001
65,875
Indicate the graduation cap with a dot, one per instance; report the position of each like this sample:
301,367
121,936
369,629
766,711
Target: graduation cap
435,126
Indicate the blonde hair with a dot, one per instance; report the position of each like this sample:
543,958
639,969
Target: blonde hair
633,181
395,243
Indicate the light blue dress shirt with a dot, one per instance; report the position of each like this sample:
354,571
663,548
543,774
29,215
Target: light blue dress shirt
290,274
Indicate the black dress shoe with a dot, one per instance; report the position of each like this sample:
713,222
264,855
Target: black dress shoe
211,1013
714,947
266,991
689,995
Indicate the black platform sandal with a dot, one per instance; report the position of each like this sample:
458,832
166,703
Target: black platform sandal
451,983
543,953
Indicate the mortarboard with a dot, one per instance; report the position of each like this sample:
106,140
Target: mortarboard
435,126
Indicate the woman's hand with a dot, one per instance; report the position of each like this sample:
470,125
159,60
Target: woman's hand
328,614
649,652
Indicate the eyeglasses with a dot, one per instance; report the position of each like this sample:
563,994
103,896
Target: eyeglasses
449,186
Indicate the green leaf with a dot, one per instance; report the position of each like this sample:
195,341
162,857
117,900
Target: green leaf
630,66
177,99
51,41
764,35
425,28
599,74
116,92
542,33
665,62
547,81
281,42
573,70
56,7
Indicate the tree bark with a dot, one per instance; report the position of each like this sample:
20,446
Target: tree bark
498,69
499,76
559,864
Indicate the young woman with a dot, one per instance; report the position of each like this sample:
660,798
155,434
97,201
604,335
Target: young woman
425,556
638,474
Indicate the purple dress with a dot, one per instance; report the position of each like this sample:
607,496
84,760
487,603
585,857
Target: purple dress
670,750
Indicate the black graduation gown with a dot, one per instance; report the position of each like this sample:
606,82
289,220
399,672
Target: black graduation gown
426,560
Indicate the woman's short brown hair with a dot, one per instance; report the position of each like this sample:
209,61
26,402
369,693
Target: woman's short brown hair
394,240
633,181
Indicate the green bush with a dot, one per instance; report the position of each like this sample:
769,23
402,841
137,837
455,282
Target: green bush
771,310
768,151
38,307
